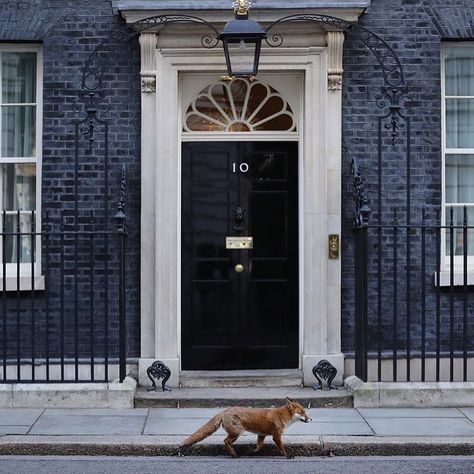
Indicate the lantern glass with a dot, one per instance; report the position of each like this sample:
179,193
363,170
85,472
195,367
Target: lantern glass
242,56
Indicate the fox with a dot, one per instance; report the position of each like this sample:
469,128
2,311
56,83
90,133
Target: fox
261,421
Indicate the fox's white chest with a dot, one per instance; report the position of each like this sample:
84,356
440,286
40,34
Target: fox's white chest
291,421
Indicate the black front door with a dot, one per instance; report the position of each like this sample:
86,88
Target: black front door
240,306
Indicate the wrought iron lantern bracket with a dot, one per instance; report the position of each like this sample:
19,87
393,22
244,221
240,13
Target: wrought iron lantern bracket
362,210
393,91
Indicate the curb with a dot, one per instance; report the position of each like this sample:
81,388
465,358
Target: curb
153,446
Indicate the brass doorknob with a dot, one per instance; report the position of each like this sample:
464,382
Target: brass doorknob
239,268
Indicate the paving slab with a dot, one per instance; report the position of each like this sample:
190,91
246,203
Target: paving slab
325,415
166,425
19,416
468,412
332,415
88,425
188,413
315,429
11,430
422,426
410,412
174,426
97,411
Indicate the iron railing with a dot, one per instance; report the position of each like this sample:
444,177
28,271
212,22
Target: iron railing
62,299
414,300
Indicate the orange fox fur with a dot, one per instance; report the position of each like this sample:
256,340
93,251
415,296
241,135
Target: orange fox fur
261,421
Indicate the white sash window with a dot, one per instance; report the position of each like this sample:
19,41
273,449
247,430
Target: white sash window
20,155
458,145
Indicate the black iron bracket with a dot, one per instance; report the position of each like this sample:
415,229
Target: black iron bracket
361,203
324,370
158,370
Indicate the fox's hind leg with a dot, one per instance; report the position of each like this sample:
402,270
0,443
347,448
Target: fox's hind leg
231,438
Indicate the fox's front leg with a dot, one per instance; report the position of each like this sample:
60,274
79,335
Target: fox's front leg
260,440
279,444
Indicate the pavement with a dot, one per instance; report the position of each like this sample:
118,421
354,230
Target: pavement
159,431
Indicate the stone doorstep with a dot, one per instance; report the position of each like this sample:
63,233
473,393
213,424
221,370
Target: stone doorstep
240,378
248,396
409,394
69,395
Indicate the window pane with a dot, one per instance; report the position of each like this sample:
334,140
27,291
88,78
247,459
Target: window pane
242,57
18,130
460,179
18,187
459,63
18,78
460,123
239,106
458,233
19,243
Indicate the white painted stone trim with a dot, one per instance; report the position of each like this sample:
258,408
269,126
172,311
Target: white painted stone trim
69,395
309,50
320,156
335,43
147,215
148,65
445,278
410,394
220,17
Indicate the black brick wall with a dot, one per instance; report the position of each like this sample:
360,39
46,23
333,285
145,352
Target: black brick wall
69,31
415,30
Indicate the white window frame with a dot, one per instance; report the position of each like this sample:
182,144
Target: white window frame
25,268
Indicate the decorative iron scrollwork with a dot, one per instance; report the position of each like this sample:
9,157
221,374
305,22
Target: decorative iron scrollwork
395,97
120,216
239,214
361,207
389,62
324,370
158,370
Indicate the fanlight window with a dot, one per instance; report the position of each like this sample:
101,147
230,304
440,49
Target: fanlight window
239,106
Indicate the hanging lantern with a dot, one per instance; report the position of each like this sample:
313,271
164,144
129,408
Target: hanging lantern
242,39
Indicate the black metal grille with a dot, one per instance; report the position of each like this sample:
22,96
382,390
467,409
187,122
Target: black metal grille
414,301
60,318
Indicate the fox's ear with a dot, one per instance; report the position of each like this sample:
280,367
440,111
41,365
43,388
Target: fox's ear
289,402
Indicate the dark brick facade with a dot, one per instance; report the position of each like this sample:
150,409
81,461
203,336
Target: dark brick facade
69,30
415,30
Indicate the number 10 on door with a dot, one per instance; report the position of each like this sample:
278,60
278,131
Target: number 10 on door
242,167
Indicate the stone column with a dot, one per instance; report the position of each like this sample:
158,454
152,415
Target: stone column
167,217
147,226
322,338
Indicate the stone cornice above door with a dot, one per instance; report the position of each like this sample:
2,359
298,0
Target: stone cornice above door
226,4
295,35
135,10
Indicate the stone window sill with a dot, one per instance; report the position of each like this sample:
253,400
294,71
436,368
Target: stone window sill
445,278
25,284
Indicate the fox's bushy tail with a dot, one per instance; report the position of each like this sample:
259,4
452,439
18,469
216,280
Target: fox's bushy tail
206,430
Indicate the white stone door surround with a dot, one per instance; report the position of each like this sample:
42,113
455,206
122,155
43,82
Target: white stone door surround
319,180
